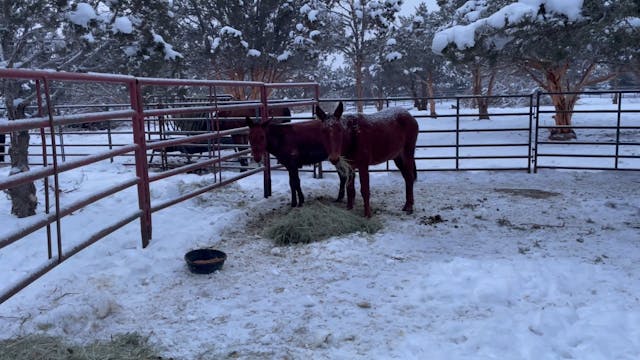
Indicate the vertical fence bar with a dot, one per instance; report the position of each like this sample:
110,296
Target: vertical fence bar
142,167
217,168
618,129
457,133
535,148
530,130
45,163
266,159
316,89
54,155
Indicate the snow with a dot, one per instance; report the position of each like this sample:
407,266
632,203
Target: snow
169,53
230,31
463,36
284,56
122,24
89,37
394,55
313,15
83,14
254,53
522,266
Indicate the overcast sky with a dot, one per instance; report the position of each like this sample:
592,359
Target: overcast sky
408,6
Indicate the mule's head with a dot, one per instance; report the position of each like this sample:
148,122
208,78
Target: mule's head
333,132
258,139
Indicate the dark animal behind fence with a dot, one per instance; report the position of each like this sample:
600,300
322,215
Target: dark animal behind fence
371,139
228,119
294,145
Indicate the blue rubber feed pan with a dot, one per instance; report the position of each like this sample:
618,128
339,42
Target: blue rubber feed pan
205,261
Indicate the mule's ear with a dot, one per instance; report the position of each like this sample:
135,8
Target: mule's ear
250,123
338,111
320,114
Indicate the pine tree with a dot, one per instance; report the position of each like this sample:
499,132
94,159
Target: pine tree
554,44
263,41
354,28
72,36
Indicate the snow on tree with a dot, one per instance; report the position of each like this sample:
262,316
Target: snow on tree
249,40
72,36
420,66
355,28
554,41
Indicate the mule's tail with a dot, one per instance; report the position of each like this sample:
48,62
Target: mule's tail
415,171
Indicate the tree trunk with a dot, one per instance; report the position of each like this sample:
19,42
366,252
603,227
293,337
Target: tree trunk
359,87
483,108
414,93
431,95
482,103
23,197
563,104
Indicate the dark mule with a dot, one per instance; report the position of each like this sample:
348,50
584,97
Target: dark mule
229,119
294,145
371,139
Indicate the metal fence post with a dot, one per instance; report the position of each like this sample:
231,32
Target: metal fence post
264,116
142,167
529,159
617,159
457,133
535,147
54,155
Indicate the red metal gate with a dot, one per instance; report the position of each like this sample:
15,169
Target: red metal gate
46,122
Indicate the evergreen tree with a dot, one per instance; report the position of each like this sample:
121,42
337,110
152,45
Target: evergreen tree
554,42
65,35
355,28
267,41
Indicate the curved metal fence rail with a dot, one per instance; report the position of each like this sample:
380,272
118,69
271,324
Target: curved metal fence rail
143,117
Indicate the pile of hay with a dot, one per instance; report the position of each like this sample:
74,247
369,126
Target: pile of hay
39,347
317,221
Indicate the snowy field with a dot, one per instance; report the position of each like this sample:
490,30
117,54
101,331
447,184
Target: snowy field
492,265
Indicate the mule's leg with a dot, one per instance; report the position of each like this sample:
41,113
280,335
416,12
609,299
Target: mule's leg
351,190
408,170
343,180
364,189
299,190
294,184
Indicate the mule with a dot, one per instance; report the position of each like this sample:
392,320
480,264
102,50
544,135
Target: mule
230,119
370,139
294,145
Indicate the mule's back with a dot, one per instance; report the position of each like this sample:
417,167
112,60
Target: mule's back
299,142
381,136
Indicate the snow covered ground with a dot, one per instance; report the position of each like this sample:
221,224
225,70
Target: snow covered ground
492,265
522,266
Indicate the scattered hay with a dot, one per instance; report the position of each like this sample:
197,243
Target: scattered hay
343,166
41,347
317,221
